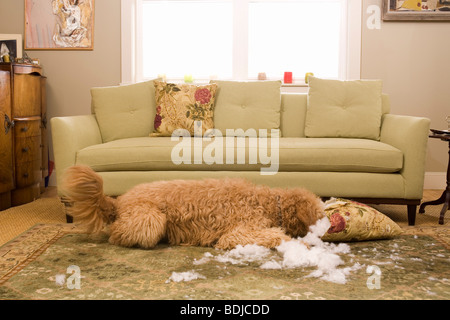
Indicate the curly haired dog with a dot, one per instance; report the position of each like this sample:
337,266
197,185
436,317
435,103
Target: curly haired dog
212,212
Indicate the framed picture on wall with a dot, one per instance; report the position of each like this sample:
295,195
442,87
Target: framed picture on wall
416,10
59,24
10,47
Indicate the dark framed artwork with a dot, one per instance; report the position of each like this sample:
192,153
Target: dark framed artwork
416,10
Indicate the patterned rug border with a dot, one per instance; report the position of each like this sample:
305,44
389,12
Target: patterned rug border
9,267
49,234
439,233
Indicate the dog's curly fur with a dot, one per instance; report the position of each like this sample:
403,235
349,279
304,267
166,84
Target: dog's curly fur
212,212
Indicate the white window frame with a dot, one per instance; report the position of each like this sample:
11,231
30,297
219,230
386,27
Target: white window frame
131,51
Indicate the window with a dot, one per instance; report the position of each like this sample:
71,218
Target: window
296,36
237,39
187,37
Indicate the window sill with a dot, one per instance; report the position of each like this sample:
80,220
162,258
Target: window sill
207,81
293,85
299,87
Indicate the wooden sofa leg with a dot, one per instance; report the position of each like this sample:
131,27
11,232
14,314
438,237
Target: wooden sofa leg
412,208
69,218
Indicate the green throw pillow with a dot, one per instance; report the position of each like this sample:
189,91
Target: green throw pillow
126,111
353,221
247,105
344,109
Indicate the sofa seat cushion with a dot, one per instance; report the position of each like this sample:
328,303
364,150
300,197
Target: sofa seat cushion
294,154
339,155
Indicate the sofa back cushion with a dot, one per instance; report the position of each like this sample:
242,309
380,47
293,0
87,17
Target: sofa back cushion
293,113
247,105
129,111
344,109
124,111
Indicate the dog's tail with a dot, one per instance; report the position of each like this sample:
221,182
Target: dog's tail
82,187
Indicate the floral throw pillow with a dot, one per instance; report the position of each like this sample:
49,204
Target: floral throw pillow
353,221
183,106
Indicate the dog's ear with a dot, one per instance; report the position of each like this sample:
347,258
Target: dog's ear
287,204
290,208
300,209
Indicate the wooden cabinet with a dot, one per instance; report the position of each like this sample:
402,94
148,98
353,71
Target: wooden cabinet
44,135
28,132
6,141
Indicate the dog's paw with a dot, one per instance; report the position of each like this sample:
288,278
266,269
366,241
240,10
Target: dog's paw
267,237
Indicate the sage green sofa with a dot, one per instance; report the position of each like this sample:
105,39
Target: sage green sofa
114,140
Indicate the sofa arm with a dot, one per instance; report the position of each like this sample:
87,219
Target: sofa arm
410,135
70,134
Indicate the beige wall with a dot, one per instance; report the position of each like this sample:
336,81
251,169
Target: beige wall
410,57
71,74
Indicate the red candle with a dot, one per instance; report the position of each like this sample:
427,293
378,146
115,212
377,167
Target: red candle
288,77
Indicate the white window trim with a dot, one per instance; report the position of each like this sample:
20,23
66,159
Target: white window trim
353,33
128,43
130,53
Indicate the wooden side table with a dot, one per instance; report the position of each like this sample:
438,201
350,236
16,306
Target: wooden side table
444,135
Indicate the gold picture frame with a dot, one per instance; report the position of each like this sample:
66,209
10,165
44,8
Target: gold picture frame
59,24
416,10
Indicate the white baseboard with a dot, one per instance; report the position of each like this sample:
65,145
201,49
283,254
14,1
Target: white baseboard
435,180
52,180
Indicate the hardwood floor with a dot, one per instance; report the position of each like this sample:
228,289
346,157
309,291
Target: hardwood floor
50,192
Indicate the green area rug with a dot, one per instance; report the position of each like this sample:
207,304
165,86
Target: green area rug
60,262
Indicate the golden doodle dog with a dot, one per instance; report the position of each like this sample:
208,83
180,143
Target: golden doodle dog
221,213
